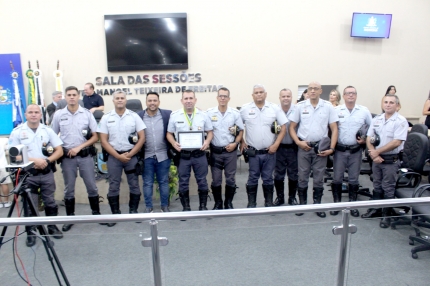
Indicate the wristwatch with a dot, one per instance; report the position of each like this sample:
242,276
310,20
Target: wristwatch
332,149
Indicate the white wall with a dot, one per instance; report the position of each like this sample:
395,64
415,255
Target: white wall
238,44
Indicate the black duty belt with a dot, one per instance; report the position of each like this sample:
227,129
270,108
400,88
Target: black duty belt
352,148
122,152
85,152
390,159
195,153
310,143
259,152
37,172
288,146
218,150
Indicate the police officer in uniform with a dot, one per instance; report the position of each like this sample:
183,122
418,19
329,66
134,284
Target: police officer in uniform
191,119
261,144
122,137
286,156
225,121
352,117
77,128
313,116
44,147
385,140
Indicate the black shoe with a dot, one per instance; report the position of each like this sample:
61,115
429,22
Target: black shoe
185,201
203,199
229,195
66,227
149,210
280,196
216,191
165,209
303,197
355,213
321,214
95,208
268,195
334,212
55,232
114,206
251,190
31,240
372,213
385,222
292,201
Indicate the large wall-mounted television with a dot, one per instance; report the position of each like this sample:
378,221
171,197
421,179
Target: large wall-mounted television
371,25
146,42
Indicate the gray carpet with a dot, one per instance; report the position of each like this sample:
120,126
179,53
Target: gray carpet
263,250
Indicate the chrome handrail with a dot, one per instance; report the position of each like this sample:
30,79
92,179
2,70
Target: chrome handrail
211,214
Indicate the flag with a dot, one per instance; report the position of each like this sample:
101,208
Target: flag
58,75
31,89
17,117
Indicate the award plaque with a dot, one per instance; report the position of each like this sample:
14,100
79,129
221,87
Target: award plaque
191,140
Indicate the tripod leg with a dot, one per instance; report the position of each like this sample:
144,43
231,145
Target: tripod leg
48,244
8,215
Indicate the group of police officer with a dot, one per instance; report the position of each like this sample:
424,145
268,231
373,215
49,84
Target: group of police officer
289,138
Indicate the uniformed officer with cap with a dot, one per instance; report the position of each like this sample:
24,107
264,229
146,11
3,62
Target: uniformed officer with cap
122,137
260,144
44,147
352,117
286,156
191,119
313,116
228,131
392,130
77,128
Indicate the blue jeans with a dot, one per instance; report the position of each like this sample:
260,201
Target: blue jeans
161,170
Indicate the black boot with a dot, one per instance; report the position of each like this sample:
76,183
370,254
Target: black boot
70,210
336,190
134,203
52,229
95,207
268,195
114,206
303,197
203,199
216,191
371,213
292,190
280,199
31,237
229,194
318,193
386,219
185,200
353,193
252,195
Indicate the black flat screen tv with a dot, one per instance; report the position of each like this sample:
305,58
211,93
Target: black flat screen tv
146,42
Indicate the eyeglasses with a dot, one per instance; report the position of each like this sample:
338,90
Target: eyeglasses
313,88
351,93
223,96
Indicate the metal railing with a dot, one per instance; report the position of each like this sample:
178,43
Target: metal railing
155,241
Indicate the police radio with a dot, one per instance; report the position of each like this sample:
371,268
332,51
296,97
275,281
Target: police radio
275,128
234,130
47,149
87,133
375,140
132,138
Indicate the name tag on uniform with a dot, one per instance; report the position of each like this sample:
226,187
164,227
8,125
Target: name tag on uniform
111,121
252,113
180,122
305,112
341,116
214,118
23,136
62,119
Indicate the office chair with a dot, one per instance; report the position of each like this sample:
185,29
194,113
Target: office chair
134,105
421,219
98,114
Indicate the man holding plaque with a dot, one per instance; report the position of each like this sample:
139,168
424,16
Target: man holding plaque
228,131
261,143
186,134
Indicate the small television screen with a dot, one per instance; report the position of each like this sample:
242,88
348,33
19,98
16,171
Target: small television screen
370,25
146,42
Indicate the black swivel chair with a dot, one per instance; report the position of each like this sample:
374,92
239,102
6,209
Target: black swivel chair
421,219
414,158
98,114
134,105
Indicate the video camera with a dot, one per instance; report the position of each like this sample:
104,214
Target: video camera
18,158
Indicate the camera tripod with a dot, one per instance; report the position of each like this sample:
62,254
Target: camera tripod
21,189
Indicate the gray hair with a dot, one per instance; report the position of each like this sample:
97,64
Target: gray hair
118,92
55,93
395,96
286,89
258,86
